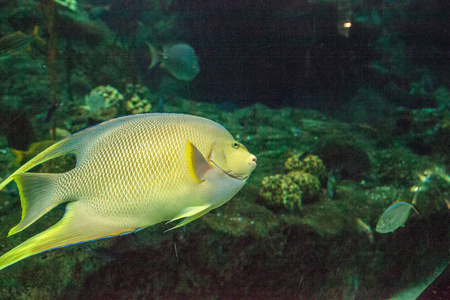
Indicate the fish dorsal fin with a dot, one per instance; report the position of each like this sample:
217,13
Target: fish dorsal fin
190,214
197,164
410,205
79,143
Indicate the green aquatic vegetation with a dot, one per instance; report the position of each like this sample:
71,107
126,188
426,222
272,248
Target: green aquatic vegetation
18,42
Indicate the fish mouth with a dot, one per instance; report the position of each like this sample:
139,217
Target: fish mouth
251,162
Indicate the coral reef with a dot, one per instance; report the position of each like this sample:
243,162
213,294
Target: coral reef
330,230
300,185
137,99
281,191
310,164
103,102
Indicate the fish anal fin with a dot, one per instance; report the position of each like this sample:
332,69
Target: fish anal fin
78,225
415,209
190,214
197,164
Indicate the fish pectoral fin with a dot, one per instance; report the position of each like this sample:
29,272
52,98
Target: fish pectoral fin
198,166
77,226
190,214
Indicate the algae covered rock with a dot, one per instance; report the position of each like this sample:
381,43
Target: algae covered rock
310,164
281,191
309,184
302,184
137,99
103,102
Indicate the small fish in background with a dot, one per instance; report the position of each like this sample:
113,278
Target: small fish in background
18,42
132,172
395,216
179,60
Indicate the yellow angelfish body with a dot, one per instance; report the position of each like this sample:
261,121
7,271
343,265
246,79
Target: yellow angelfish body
131,172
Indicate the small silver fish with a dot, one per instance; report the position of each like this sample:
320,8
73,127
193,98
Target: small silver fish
179,60
394,216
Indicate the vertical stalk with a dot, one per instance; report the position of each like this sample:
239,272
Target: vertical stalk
49,10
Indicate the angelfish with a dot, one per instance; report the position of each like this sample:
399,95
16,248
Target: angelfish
131,172
394,216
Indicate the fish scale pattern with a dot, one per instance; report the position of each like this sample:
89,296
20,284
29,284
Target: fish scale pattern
133,169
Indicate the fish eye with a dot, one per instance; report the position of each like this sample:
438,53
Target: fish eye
235,145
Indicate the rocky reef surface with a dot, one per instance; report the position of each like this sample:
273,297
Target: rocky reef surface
303,226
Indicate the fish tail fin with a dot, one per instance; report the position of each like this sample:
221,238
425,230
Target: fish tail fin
155,54
38,195
77,226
